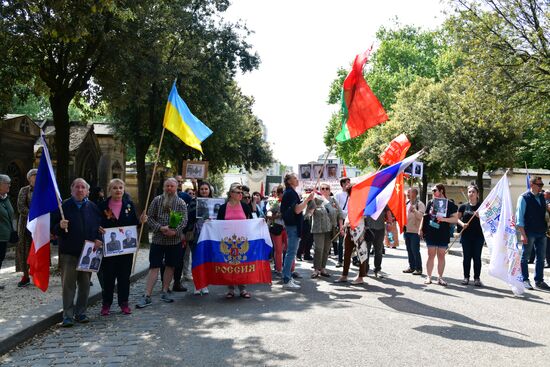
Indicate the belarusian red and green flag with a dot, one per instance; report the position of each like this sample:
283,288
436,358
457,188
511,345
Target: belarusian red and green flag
361,110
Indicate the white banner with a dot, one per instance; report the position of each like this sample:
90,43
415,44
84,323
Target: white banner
499,228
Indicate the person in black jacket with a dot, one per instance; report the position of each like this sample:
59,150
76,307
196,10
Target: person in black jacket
117,211
81,223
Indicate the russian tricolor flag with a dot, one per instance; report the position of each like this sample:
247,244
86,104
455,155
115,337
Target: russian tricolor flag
45,199
370,196
231,252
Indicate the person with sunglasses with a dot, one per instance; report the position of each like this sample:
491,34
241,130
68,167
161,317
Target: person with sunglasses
235,209
435,229
326,215
531,224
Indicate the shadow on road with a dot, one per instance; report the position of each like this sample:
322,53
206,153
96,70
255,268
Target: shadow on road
458,332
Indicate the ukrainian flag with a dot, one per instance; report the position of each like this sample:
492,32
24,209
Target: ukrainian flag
180,121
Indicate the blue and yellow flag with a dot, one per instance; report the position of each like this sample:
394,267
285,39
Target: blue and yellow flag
182,123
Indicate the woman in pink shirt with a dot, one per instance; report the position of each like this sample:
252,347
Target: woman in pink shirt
234,209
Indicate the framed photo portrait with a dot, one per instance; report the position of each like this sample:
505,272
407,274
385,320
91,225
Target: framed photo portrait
332,171
305,171
417,169
318,171
207,208
90,260
195,169
120,240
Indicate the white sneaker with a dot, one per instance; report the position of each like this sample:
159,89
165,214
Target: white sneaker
297,282
197,292
291,285
527,285
205,291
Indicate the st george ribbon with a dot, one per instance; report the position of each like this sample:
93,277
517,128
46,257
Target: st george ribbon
231,252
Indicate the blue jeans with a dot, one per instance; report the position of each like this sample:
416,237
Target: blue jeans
412,241
538,241
292,249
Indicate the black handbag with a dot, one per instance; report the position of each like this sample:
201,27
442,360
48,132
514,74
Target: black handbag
275,229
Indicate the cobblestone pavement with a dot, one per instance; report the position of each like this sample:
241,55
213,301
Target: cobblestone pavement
394,321
17,302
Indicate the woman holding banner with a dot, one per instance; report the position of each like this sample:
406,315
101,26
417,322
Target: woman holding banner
434,228
234,209
116,211
471,236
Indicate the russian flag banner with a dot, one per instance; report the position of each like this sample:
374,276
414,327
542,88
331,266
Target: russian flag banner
231,252
370,196
44,201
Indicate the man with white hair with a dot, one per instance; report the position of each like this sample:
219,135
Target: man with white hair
81,223
167,218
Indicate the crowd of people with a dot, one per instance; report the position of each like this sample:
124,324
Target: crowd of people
316,219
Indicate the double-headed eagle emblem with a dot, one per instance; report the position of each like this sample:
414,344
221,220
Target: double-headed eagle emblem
234,249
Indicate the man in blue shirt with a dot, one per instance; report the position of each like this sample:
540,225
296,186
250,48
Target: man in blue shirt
531,224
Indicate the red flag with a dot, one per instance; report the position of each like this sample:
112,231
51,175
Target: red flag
262,192
344,173
362,110
396,150
397,203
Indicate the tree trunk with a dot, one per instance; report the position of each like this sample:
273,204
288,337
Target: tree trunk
60,110
424,188
479,180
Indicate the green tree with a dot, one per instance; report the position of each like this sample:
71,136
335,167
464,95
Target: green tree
183,40
61,44
405,54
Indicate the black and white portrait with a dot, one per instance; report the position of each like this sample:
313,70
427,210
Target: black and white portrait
120,240
90,260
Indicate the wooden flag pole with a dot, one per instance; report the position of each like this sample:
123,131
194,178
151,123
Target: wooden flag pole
324,164
463,228
147,201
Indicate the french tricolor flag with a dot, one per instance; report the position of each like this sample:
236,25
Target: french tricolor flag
370,196
45,199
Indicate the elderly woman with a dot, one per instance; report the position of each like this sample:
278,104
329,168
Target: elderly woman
6,215
234,209
25,239
116,211
326,215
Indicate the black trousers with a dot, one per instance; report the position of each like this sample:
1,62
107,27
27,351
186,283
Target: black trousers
116,268
306,240
471,250
3,246
375,238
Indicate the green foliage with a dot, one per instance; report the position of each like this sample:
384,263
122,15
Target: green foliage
405,54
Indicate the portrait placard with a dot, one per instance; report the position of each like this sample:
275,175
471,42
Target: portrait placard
90,260
319,171
440,207
417,169
332,171
120,240
207,208
305,171
195,169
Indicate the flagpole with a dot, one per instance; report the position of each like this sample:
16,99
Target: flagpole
463,228
147,201
61,211
324,164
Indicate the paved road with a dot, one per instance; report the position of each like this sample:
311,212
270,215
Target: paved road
396,321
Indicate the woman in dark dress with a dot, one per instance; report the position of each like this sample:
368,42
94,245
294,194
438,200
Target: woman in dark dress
435,229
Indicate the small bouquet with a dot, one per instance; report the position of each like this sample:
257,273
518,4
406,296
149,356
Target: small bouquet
175,219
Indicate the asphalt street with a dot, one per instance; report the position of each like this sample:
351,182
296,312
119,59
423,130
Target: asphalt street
394,321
